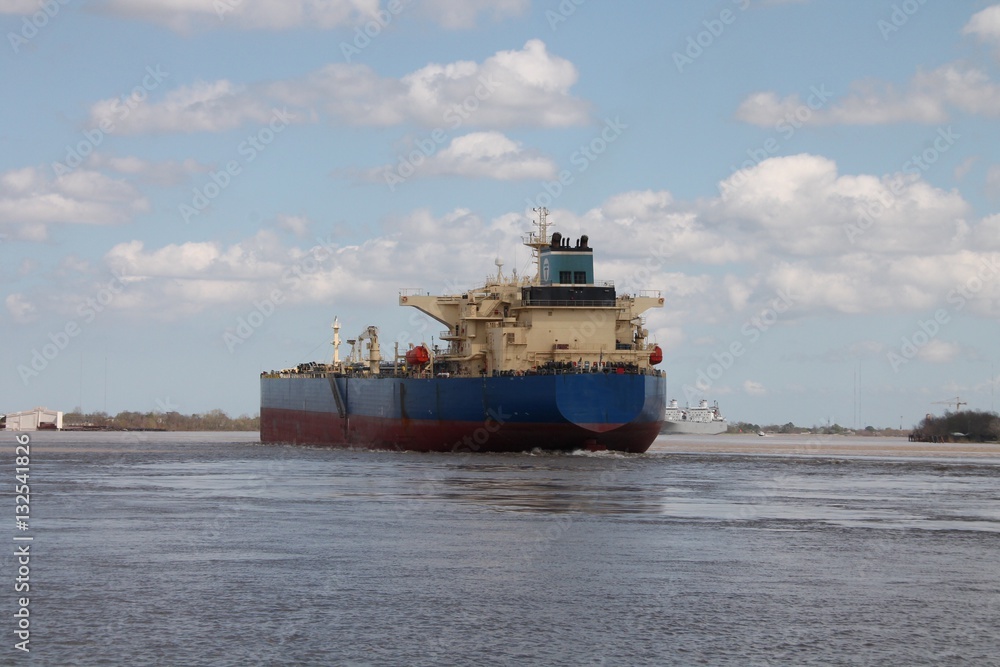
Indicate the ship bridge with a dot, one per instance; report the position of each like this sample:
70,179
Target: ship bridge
562,316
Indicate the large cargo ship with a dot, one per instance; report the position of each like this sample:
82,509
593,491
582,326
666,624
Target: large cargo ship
557,361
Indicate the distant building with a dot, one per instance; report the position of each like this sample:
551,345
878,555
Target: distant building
32,420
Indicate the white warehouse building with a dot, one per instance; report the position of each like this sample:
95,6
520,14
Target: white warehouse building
33,420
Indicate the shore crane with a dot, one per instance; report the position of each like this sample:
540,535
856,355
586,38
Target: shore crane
957,401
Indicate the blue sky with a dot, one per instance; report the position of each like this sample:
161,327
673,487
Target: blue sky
191,191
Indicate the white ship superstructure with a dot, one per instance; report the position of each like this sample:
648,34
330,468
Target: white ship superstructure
702,419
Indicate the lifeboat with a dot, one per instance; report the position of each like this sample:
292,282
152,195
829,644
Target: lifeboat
655,357
418,356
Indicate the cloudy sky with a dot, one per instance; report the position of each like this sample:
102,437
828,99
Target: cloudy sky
191,190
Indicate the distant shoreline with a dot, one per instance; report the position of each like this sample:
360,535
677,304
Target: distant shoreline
823,445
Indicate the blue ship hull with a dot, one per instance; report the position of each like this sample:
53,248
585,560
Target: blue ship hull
615,411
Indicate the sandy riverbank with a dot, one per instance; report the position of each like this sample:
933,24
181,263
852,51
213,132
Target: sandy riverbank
831,445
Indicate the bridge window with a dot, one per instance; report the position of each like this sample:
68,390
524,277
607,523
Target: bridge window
580,277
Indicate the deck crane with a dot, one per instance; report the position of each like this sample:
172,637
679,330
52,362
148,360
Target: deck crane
356,356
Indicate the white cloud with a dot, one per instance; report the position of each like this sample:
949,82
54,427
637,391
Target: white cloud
791,226
178,280
986,235
867,283
457,14
28,266
187,15
928,99
754,388
863,349
805,207
963,168
669,338
967,88
206,259
985,24
525,87
937,351
165,173
780,231
783,229
765,108
71,264
21,309
479,155
30,201
199,107
815,287
528,87
19,6
491,155
296,224
667,232
993,181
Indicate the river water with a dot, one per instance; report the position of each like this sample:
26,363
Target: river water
211,549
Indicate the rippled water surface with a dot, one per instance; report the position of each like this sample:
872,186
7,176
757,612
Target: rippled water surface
211,549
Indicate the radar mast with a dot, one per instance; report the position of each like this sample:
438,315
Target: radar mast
538,240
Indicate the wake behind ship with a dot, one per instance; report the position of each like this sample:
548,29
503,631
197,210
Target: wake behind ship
554,362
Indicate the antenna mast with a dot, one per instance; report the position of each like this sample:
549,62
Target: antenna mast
539,240
336,341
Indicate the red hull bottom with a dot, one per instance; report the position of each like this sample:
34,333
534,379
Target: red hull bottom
317,428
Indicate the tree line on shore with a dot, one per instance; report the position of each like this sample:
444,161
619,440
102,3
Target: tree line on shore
975,425
213,420
979,426
790,428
